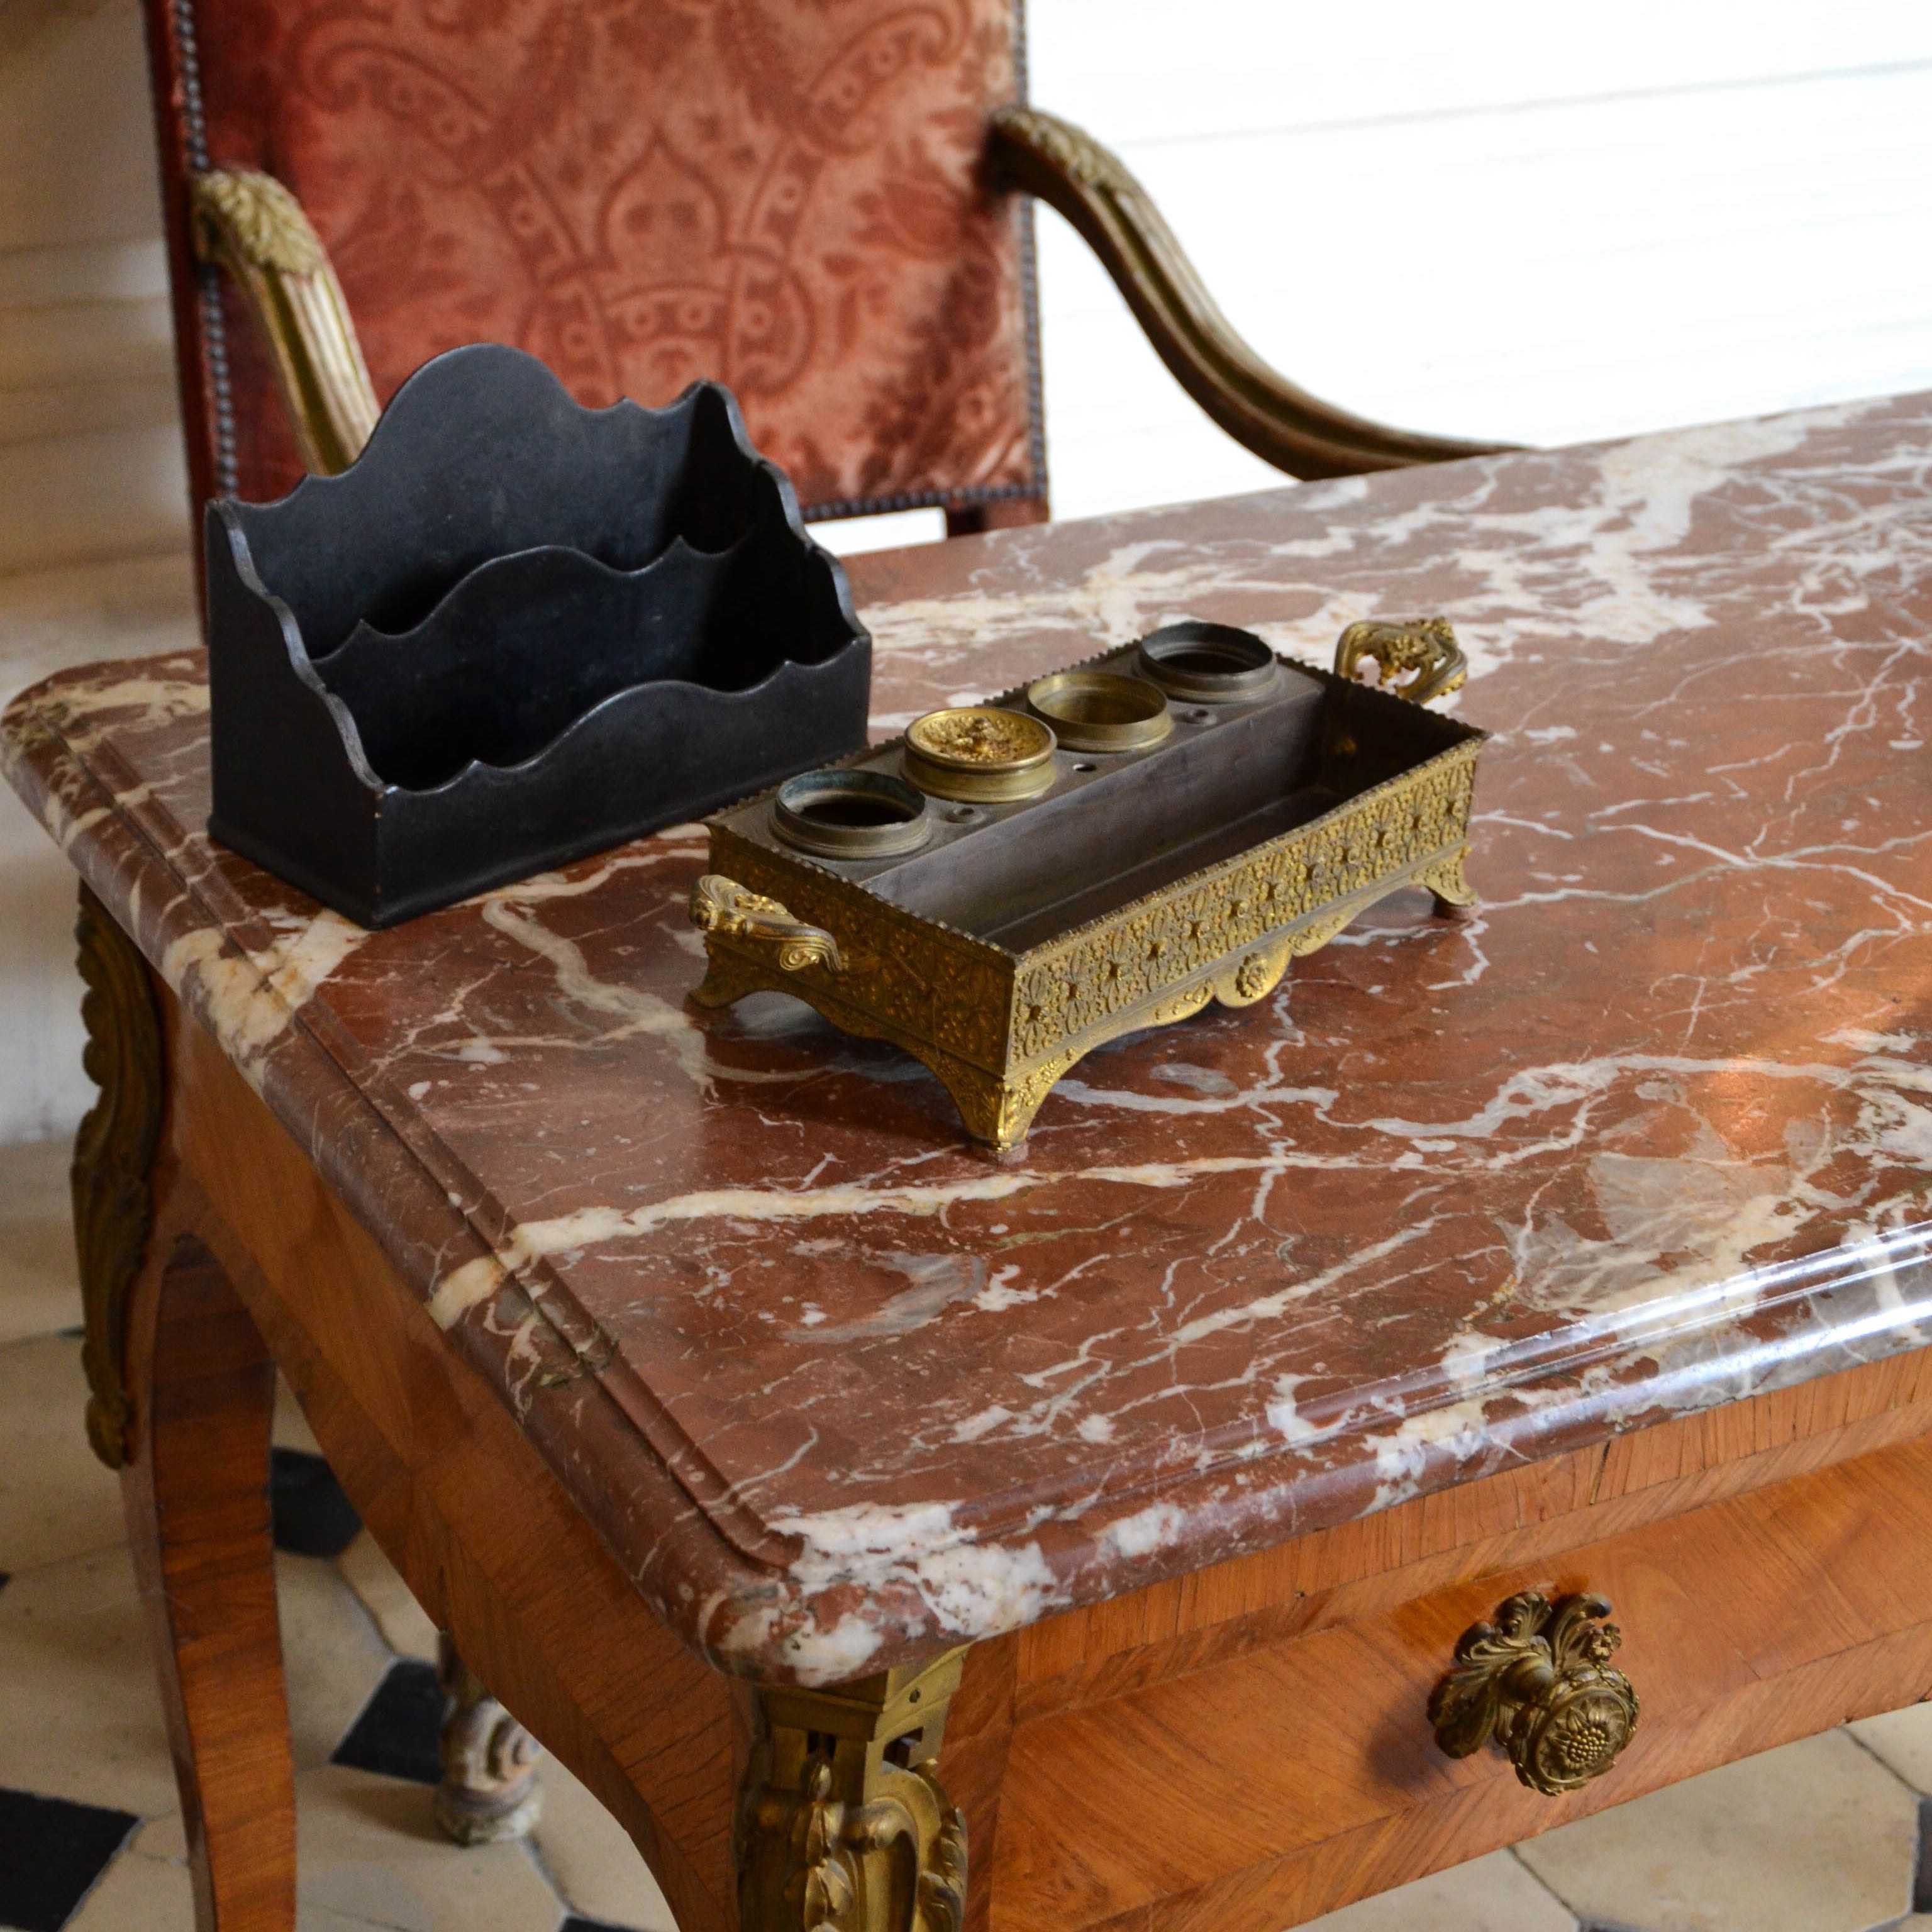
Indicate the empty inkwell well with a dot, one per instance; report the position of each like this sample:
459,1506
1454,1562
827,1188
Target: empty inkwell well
980,753
1208,664
851,814
1100,711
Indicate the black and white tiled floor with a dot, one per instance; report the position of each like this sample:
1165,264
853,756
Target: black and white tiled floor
1824,1836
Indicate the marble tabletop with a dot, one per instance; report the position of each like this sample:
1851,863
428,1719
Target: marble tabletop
1650,1131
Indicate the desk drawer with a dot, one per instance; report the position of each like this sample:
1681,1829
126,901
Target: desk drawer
1278,1779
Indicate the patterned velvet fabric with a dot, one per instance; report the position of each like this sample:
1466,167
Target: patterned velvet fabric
779,193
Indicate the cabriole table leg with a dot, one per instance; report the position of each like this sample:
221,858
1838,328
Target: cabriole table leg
181,1400
195,1485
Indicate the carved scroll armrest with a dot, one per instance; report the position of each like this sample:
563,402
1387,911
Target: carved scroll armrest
252,225
1260,408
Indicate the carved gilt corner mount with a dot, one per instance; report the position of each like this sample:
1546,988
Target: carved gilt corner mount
845,1824
113,1201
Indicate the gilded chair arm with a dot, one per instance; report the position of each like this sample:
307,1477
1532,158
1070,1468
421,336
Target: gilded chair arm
253,226
1263,411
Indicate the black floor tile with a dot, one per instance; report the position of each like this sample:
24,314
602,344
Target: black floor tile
396,1734
313,1517
51,1852
575,1924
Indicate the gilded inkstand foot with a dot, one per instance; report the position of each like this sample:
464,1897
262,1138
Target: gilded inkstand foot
1539,1682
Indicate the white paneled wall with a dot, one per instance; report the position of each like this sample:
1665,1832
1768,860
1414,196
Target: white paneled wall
93,487
1500,218
90,452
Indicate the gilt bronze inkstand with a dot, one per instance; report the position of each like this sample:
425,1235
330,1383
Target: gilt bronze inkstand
1010,885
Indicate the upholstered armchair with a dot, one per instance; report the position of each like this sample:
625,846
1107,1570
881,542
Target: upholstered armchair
812,201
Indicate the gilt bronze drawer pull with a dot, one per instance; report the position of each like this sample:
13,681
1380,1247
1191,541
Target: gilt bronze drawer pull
1539,1682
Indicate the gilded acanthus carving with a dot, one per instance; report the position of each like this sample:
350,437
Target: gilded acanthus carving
253,225
1419,660
254,213
844,1823
1445,879
112,1154
719,904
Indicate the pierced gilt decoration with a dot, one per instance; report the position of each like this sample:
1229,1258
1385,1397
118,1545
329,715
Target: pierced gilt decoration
113,1152
722,905
1539,1682
252,225
1089,184
845,1824
489,1789
1418,660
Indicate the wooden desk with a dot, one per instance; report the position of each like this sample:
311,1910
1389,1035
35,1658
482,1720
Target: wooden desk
709,1389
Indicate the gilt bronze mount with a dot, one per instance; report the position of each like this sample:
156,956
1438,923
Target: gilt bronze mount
1141,884
113,1200
845,1824
1539,1682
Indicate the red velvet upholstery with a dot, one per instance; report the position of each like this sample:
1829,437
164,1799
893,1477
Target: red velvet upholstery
780,194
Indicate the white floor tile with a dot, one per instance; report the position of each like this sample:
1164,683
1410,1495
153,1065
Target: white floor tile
593,1862
332,1656
83,1713
405,1626
1491,1895
57,1497
1902,1739
1818,1837
40,1291
138,1893
369,1849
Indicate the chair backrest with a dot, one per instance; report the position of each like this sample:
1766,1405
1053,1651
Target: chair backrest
785,195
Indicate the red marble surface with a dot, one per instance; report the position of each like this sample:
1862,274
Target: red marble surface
1649,1131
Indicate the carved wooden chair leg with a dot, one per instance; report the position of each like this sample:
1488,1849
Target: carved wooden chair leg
489,1789
195,1483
